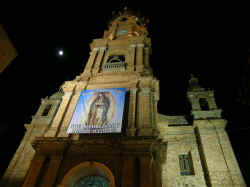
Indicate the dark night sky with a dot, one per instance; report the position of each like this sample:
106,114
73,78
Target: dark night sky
202,39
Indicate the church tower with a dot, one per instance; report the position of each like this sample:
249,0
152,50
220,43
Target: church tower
103,128
100,129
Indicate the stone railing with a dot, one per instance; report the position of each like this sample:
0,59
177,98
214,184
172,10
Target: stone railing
114,67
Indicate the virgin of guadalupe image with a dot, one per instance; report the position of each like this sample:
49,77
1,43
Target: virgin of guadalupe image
100,109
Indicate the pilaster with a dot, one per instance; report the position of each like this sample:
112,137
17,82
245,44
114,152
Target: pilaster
14,173
212,103
139,58
51,173
146,171
91,61
230,158
34,171
146,57
113,32
144,113
214,156
69,114
194,101
99,59
129,175
130,131
131,62
68,91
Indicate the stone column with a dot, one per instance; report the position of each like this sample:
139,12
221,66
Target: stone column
154,110
159,156
131,61
130,131
128,177
68,90
146,171
34,171
113,32
69,114
91,61
50,175
139,58
99,59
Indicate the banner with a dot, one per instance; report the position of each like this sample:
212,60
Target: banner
98,111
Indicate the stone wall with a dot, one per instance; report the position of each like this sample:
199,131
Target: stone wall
20,163
214,162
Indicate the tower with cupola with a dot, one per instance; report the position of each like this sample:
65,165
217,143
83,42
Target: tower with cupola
55,155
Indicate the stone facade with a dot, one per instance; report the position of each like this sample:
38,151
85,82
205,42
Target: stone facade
146,152
205,139
20,163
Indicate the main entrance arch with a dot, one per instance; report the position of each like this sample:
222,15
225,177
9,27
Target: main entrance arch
88,173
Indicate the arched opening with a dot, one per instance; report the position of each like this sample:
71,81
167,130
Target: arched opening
116,59
115,63
46,110
97,181
203,104
88,173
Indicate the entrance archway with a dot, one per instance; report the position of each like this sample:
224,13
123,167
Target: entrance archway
85,170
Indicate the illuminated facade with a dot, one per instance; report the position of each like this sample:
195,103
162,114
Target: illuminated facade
149,150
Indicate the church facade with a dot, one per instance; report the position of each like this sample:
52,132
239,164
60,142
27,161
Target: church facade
103,128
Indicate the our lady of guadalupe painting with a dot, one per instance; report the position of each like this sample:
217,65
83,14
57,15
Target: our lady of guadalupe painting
101,109
98,111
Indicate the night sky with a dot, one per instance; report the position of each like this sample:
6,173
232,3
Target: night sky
206,41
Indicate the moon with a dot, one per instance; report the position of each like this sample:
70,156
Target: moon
60,52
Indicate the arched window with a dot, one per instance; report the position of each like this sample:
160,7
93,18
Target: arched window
116,59
89,174
115,63
123,19
122,32
203,104
93,181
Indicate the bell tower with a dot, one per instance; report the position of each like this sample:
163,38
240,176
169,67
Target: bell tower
216,154
82,143
202,101
121,58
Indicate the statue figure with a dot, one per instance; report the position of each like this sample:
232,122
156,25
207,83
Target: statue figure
98,110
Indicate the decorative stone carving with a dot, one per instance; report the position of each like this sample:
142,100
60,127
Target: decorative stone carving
68,86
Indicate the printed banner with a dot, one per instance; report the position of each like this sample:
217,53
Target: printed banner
98,111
